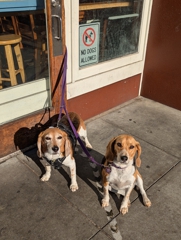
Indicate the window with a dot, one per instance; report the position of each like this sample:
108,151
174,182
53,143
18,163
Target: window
121,49
27,89
120,23
30,28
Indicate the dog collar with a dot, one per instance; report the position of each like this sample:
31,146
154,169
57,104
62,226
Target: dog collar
114,165
57,163
108,168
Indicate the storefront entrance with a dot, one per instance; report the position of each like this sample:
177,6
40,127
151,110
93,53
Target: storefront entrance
106,43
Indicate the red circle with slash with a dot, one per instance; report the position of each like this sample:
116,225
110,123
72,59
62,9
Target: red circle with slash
89,35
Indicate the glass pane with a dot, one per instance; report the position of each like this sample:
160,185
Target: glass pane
25,34
119,25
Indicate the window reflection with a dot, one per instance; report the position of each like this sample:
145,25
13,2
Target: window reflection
120,23
30,26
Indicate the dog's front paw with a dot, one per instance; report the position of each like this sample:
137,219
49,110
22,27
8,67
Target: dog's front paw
124,210
74,187
147,202
45,177
105,203
89,146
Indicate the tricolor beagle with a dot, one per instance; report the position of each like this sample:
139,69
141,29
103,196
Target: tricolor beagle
123,174
57,145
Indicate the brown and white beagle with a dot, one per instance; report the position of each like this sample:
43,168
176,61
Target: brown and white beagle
123,175
55,143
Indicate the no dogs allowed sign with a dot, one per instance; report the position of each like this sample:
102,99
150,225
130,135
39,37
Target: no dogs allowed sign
88,43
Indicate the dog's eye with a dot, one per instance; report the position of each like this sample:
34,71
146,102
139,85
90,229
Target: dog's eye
131,147
48,138
119,144
60,137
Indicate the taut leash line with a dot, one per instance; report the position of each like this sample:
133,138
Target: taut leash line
63,107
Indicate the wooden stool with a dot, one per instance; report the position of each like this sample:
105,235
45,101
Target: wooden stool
12,41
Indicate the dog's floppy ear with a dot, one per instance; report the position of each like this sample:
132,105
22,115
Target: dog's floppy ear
138,160
110,152
39,152
68,147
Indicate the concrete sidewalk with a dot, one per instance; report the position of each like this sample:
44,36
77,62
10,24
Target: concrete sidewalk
35,210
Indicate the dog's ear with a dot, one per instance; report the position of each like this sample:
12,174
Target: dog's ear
138,160
65,146
39,152
68,147
62,146
110,152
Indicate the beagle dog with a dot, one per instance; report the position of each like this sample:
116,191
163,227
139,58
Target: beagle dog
120,170
56,146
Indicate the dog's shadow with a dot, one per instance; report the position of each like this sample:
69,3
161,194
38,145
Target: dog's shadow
84,169
25,137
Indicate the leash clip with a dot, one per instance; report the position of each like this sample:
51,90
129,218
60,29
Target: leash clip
58,162
108,168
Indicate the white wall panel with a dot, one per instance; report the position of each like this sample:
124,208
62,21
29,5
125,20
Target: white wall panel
23,99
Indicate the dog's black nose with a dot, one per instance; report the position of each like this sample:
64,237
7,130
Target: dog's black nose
55,148
124,158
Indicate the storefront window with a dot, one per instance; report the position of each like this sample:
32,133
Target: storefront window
119,26
24,68
28,31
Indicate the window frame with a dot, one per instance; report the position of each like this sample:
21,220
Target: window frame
23,99
89,78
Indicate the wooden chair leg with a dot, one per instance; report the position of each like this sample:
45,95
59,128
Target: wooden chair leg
16,28
9,57
20,61
38,58
43,58
104,37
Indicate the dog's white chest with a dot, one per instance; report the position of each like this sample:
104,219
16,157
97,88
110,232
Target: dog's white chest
120,179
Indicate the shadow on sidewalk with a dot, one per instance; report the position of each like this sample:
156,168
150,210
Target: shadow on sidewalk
85,172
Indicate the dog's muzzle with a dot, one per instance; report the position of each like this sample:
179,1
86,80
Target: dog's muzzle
124,158
55,149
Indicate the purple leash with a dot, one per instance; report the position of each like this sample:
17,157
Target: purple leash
63,107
